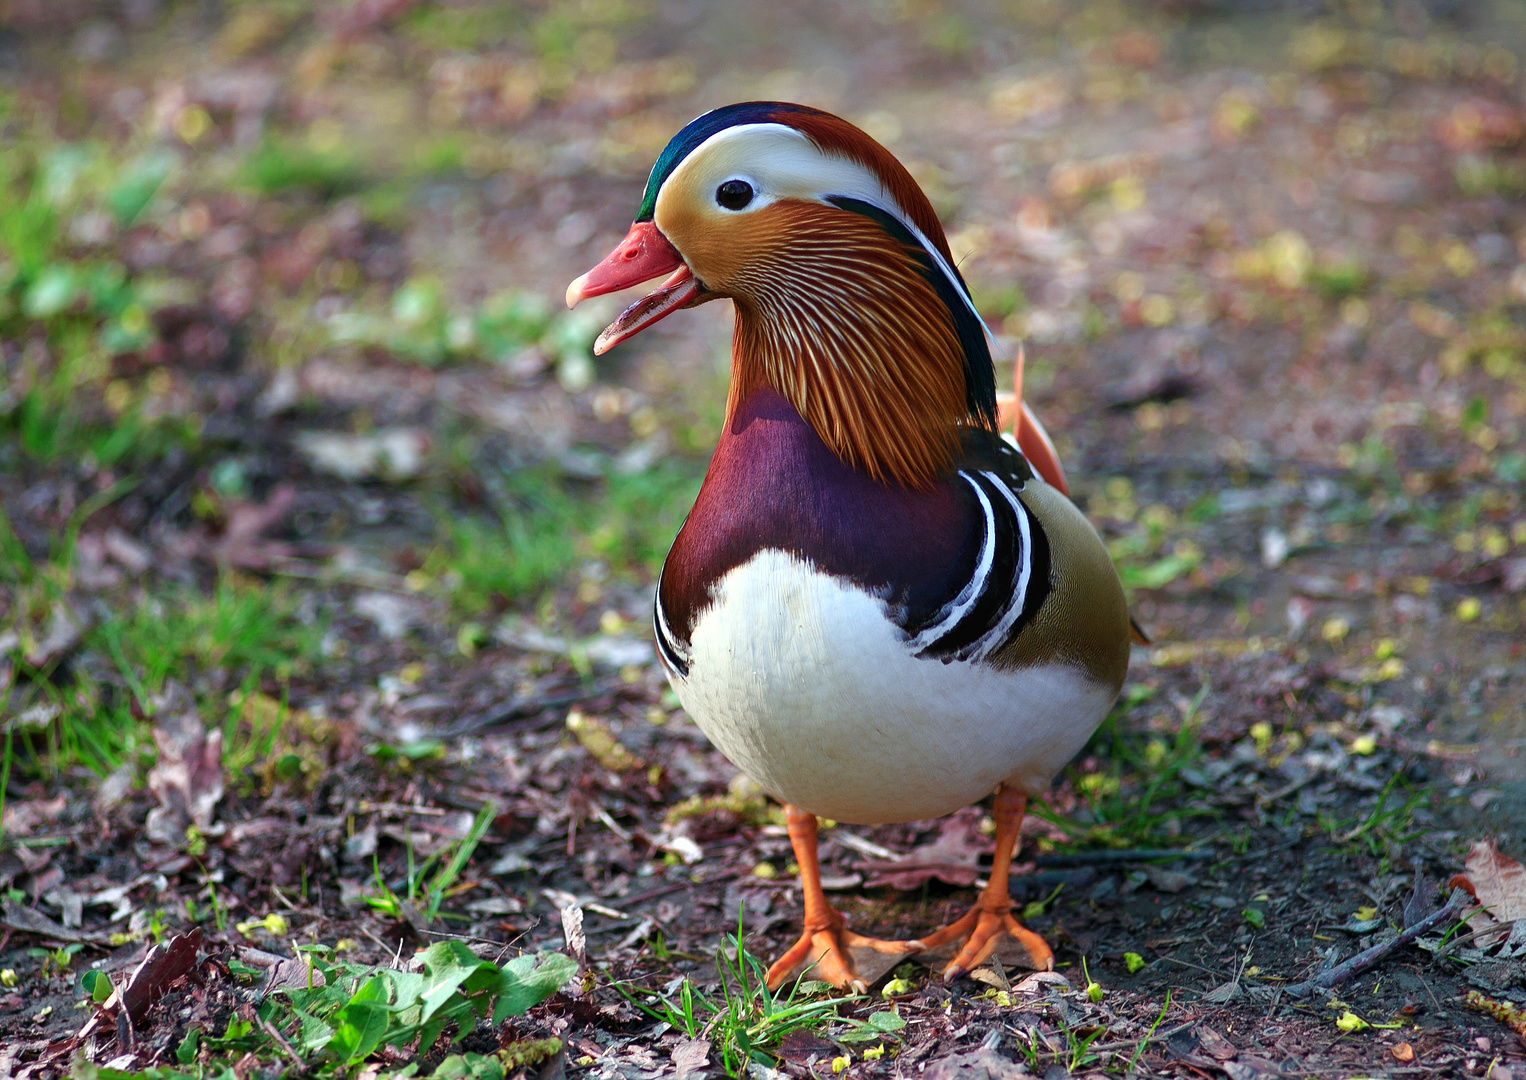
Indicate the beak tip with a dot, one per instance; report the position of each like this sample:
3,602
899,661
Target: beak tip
575,294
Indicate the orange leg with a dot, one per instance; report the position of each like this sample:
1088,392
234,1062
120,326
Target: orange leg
992,914
826,937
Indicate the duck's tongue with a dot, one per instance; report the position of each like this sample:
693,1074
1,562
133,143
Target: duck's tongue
667,298
644,254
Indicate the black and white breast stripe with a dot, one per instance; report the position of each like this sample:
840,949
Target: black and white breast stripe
674,653
1008,584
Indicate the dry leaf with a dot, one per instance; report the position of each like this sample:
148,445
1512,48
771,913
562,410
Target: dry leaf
954,857
1216,1045
690,1057
293,972
979,1064
149,981
187,780
1498,883
1419,905
28,921
572,930
241,545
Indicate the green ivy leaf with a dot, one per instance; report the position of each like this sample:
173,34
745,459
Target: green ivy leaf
362,1024
526,981
185,1053
469,1067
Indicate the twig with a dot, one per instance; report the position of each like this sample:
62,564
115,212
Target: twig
609,823
652,894
1263,801
1264,852
522,709
1368,958
367,807
865,847
280,1040
1104,858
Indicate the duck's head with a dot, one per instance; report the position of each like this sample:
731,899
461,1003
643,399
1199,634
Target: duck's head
847,299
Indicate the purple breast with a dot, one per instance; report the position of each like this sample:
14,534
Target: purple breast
773,484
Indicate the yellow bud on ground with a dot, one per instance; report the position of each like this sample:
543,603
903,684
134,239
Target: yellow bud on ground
1261,734
1350,1022
1469,609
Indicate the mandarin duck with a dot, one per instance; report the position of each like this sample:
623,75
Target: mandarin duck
879,608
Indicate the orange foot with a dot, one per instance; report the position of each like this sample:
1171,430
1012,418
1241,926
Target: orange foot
991,917
824,944
984,927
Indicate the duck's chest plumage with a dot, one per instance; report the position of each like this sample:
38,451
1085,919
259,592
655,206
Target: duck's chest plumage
871,653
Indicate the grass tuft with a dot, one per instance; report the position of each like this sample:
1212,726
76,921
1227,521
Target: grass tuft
747,1018
549,525
279,165
1139,789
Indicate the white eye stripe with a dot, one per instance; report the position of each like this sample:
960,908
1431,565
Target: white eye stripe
782,163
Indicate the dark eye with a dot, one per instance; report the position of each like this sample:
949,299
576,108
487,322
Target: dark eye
734,194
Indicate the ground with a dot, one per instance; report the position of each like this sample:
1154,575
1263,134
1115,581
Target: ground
328,545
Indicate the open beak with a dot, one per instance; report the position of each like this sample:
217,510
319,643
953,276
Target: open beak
644,254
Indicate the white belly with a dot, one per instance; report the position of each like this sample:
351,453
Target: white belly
805,685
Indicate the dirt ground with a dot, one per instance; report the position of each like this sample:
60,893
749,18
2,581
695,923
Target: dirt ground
1269,265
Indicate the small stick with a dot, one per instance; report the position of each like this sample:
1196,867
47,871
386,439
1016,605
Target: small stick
270,1029
1368,958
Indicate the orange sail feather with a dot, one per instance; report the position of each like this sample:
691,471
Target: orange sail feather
1031,437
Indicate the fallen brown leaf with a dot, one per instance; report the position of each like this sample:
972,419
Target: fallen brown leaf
979,1064
1498,883
241,545
953,857
1216,1045
187,780
149,981
690,1057
29,921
